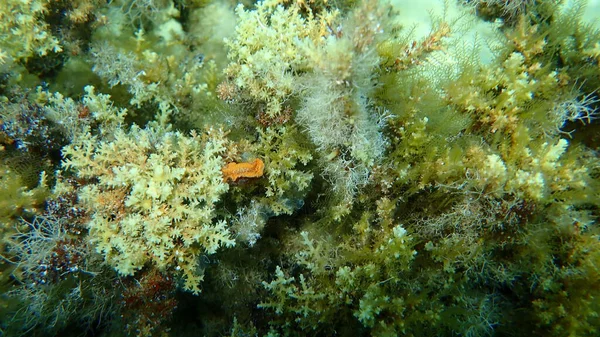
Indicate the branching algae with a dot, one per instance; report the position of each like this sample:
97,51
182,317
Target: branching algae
299,168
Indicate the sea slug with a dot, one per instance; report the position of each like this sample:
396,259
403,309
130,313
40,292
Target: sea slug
234,171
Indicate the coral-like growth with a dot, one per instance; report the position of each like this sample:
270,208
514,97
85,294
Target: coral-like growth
75,119
265,53
22,33
151,195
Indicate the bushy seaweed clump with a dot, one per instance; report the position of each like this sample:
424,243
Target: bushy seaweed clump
292,168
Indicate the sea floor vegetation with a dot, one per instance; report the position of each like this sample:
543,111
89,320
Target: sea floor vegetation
299,168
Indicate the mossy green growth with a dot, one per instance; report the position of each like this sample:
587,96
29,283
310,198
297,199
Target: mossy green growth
18,199
286,154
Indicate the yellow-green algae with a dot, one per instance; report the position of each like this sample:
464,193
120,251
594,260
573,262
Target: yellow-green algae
432,175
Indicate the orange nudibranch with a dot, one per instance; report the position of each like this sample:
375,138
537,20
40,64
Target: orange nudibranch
234,171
